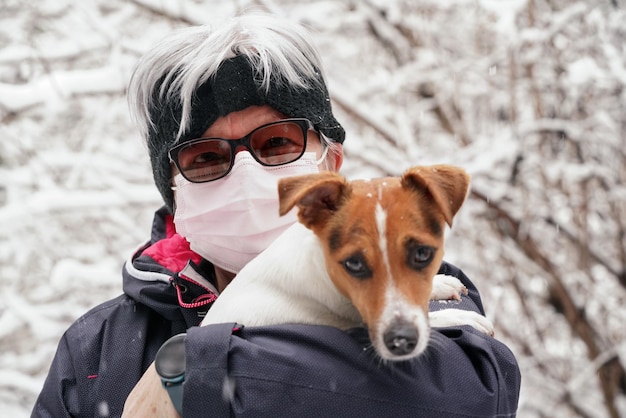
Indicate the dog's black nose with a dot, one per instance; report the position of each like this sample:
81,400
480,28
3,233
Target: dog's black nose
401,339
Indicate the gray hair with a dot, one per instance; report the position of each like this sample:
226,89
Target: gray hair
186,59
197,74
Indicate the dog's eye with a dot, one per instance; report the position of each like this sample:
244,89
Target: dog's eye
420,256
356,266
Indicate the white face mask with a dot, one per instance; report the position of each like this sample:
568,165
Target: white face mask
231,220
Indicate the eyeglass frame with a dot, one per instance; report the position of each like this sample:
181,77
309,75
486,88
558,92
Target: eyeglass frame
305,124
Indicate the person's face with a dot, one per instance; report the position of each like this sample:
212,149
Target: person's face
238,124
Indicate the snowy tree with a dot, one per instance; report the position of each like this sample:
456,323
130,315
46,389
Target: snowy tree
527,95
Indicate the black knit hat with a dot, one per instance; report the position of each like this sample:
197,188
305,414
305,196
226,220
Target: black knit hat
234,87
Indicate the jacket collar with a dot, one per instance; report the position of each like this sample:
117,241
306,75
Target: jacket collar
168,277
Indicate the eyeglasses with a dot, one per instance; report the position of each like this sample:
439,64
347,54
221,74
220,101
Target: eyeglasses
207,159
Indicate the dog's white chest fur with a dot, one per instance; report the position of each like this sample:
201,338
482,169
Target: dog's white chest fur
286,283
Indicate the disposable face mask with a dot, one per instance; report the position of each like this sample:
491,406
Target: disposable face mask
231,220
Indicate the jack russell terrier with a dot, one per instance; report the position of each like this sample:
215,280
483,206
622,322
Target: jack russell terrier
365,252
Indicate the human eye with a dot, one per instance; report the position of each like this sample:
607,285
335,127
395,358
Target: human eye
204,154
208,158
278,144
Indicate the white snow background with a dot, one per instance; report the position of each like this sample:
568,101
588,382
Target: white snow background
527,95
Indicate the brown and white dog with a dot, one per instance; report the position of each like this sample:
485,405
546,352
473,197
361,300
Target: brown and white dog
364,252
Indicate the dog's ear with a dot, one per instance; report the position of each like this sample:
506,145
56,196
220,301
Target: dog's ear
446,184
316,195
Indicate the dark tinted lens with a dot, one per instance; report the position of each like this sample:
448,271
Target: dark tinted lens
279,143
205,160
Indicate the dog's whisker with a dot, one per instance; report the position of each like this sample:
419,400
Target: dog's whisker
375,359
433,344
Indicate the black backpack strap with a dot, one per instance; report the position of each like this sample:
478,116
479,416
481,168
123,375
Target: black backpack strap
206,350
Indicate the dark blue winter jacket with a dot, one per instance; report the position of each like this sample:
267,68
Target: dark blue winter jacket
289,370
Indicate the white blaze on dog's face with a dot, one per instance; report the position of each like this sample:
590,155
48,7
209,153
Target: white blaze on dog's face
383,243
